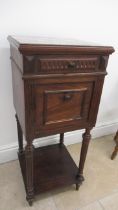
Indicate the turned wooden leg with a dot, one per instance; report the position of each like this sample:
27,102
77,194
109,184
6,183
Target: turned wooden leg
61,138
116,147
20,136
84,148
29,172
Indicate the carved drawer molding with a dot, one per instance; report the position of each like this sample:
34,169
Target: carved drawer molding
50,65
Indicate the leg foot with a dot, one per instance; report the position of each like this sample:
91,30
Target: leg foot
114,153
77,186
80,179
30,201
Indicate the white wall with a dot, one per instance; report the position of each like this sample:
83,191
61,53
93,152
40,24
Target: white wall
93,20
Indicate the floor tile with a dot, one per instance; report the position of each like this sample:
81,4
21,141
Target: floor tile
93,206
12,189
44,202
12,194
12,197
9,172
110,202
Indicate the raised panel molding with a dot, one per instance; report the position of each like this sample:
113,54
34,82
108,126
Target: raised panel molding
60,97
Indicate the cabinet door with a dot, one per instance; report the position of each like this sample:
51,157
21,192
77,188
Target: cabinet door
62,106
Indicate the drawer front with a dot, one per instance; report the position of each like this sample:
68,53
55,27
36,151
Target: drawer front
68,65
63,64
62,105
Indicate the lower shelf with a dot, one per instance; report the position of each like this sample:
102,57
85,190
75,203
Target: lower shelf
53,168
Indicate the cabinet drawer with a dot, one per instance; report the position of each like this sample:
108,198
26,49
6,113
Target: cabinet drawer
62,64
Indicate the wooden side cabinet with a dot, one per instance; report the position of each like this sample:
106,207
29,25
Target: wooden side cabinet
57,86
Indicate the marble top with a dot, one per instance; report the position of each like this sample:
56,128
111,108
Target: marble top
51,41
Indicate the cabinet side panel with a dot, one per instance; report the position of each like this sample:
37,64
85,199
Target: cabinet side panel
18,94
16,57
96,100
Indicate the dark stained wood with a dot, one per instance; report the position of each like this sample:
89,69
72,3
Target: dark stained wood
18,95
85,144
63,64
53,167
58,103
29,150
56,88
52,108
61,138
20,135
116,147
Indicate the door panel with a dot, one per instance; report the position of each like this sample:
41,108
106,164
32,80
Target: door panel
62,105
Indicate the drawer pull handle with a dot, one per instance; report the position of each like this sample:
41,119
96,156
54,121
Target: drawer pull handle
67,97
71,65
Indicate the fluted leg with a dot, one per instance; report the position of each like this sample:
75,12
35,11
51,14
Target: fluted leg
61,138
29,172
84,149
20,135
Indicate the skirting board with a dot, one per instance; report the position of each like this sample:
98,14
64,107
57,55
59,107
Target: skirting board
9,152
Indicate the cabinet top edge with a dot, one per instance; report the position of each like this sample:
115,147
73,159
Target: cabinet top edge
37,45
